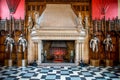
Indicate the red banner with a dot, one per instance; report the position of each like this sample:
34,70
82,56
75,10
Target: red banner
107,8
19,12
12,5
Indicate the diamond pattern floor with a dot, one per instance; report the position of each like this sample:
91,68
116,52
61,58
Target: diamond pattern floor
60,73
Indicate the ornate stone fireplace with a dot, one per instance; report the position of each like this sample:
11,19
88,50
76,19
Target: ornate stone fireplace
58,23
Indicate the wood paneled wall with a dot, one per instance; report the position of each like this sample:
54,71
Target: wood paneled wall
83,6
60,1
15,28
101,28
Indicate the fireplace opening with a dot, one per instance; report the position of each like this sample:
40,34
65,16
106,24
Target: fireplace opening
58,51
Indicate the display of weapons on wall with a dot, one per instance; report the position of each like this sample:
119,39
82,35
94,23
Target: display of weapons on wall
103,28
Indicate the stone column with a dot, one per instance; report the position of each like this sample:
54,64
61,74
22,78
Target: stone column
83,53
35,51
77,52
80,50
39,52
30,50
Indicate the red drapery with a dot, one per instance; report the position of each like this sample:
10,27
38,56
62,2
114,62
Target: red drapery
107,8
103,6
12,5
5,13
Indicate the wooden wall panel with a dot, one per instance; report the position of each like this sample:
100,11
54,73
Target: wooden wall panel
15,28
101,34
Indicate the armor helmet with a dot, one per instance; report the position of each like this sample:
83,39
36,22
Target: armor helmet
8,35
21,35
94,35
108,35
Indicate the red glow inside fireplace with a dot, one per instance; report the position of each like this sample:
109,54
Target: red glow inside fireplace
58,54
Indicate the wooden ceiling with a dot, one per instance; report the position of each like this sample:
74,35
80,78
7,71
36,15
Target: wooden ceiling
60,1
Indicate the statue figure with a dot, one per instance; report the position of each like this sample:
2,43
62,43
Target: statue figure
36,16
22,42
30,23
108,43
94,43
86,21
9,42
71,56
80,24
45,56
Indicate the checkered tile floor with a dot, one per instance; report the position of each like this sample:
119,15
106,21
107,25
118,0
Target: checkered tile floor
60,73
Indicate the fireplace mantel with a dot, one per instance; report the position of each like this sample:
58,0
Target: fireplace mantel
61,30
57,34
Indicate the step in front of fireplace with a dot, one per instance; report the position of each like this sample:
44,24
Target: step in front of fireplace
57,64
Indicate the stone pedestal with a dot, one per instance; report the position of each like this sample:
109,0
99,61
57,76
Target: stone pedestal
95,62
23,63
10,62
109,62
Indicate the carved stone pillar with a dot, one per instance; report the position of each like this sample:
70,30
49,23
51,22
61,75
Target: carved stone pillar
39,52
30,50
80,51
77,52
85,49
82,56
36,50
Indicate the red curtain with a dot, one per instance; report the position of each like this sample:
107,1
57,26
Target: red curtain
12,5
103,6
19,12
107,8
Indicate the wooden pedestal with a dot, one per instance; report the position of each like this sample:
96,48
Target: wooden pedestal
94,62
6,62
109,62
19,63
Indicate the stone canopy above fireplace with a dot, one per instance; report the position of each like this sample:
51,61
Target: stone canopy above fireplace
58,22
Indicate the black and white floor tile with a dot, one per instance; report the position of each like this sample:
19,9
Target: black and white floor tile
60,73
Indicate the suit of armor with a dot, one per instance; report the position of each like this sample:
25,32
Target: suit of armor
9,42
94,44
22,42
108,43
